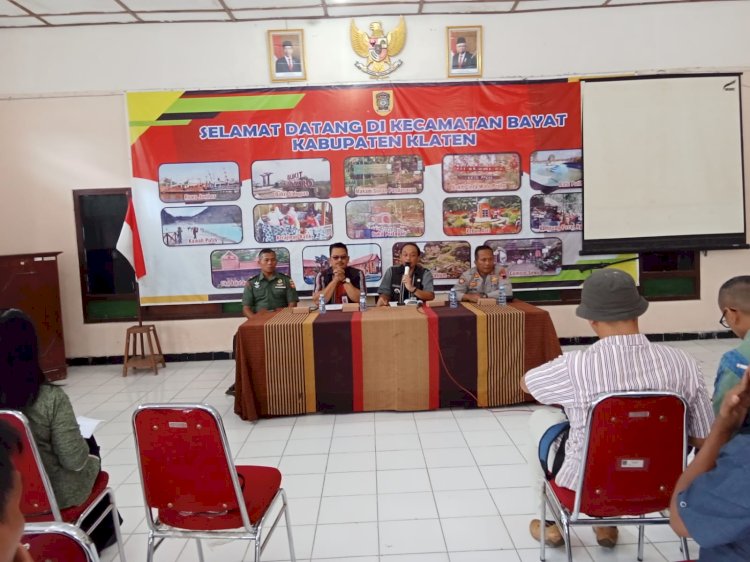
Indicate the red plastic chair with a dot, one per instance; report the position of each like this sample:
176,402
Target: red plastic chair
38,503
191,487
58,542
635,448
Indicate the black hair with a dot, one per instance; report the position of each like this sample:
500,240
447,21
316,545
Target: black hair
735,293
266,251
419,252
10,445
480,248
339,245
20,372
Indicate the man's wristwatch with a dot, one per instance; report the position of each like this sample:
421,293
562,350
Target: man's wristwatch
347,280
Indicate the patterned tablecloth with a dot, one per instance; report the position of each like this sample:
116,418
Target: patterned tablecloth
401,358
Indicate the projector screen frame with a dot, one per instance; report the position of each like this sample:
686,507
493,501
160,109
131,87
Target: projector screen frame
696,242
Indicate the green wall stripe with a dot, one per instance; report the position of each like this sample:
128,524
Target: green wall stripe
235,103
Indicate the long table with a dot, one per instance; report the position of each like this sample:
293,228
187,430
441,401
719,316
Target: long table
403,358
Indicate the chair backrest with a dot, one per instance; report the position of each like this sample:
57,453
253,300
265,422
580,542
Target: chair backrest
634,451
37,498
184,460
58,542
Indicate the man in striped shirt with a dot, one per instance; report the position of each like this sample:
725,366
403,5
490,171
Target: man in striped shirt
622,360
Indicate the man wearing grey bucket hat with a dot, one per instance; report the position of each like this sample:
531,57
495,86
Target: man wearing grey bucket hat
622,360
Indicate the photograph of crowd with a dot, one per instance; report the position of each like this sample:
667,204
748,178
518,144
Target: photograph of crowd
292,222
529,257
557,212
389,218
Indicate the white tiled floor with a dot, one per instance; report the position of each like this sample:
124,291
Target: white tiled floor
441,486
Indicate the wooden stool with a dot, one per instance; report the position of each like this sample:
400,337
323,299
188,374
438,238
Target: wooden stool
142,360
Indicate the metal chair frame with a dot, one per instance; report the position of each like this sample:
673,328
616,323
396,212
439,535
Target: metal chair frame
159,531
54,508
566,518
66,530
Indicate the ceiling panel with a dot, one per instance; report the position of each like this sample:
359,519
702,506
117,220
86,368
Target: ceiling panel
467,7
238,4
70,6
8,9
87,12
279,14
527,5
184,16
157,5
89,19
383,10
20,22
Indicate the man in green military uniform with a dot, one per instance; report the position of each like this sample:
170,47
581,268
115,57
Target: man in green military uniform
268,290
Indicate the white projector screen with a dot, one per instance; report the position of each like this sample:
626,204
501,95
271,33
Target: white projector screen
662,164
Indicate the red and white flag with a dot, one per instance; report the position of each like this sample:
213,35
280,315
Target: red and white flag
129,242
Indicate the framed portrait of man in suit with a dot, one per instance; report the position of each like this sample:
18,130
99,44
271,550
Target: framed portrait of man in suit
286,55
464,52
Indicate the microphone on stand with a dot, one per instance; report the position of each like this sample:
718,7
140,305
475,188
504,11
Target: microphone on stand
406,274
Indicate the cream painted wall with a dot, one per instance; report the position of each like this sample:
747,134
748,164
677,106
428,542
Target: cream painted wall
62,119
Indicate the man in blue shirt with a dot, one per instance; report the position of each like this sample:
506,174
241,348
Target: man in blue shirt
711,502
734,303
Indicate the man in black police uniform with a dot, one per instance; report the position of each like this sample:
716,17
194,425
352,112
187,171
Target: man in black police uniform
396,286
268,290
339,281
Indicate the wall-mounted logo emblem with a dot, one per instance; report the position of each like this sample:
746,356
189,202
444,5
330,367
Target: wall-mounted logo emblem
382,102
378,48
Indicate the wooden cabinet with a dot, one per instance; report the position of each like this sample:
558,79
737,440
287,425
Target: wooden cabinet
31,283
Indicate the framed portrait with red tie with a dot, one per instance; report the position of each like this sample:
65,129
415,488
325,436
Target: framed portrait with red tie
464,52
286,55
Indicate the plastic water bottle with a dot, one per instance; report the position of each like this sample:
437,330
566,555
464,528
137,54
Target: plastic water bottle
502,298
362,301
453,298
321,304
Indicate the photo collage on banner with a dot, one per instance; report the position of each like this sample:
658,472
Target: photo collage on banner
373,168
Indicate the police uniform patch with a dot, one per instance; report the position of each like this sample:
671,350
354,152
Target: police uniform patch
462,281
291,284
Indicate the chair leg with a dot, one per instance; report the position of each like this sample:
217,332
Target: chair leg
684,545
288,521
158,347
257,546
200,550
150,342
641,533
116,521
150,548
125,356
566,536
543,525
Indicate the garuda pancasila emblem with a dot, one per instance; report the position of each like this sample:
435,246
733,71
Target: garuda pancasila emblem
378,48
